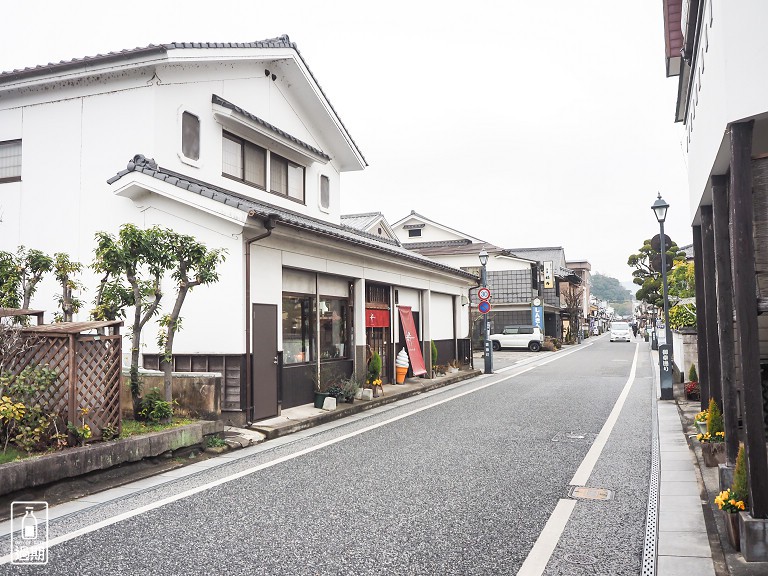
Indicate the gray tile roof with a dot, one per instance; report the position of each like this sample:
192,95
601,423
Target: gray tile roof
263,123
555,254
282,41
361,221
149,167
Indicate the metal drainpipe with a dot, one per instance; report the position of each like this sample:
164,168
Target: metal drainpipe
269,224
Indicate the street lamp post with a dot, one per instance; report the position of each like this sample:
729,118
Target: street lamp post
665,350
487,347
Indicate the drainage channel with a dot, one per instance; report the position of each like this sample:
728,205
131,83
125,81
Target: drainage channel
652,514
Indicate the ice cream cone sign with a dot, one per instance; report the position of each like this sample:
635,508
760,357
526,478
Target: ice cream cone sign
401,366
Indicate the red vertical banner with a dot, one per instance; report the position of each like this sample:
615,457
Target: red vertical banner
412,341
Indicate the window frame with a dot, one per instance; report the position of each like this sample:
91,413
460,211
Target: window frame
288,165
327,206
187,114
411,233
225,135
7,179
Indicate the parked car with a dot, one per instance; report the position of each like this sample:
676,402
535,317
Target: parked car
518,337
621,331
595,331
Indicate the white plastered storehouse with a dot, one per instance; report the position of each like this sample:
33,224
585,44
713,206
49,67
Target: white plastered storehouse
237,145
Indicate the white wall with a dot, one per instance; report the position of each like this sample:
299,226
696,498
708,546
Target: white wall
726,86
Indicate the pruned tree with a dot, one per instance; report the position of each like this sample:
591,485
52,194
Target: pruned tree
140,257
573,297
193,265
20,273
64,269
647,276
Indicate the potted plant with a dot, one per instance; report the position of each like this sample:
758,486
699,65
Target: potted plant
349,388
433,349
692,389
373,379
700,420
733,500
713,441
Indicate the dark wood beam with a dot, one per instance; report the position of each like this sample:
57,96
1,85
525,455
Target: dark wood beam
701,317
745,304
724,320
710,299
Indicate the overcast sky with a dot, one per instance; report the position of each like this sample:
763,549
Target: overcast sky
521,123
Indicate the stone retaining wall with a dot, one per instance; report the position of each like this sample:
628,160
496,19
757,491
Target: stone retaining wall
72,462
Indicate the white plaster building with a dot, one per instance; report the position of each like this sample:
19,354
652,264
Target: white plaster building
237,145
514,274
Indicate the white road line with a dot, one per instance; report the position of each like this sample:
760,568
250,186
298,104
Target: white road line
588,464
539,556
191,492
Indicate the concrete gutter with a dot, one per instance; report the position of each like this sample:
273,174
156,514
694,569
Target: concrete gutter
392,393
71,462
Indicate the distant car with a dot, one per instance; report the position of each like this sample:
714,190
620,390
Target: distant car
620,331
518,337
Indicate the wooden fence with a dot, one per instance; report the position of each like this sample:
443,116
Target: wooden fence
87,357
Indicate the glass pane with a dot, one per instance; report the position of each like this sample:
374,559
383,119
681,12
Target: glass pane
10,159
325,192
255,165
296,182
333,328
190,136
278,178
298,329
232,158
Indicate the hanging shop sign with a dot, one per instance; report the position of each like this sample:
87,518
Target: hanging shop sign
376,318
549,278
412,341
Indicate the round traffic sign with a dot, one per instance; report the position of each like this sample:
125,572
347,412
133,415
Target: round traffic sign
484,293
484,307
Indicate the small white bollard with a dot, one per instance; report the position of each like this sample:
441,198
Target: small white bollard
329,403
367,394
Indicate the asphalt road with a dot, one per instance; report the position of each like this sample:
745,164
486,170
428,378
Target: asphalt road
462,481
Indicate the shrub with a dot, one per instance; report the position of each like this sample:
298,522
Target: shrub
433,347
374,369
692,376
714,418
740,487
154,407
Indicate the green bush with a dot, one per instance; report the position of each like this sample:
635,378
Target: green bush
374,368
433,347
714,418
692,376
740,486
154,407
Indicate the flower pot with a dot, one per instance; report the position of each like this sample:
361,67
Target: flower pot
702,426
732,529
367,394
349,399
713,453
320,399
400,372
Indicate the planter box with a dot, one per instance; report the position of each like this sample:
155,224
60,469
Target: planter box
713,453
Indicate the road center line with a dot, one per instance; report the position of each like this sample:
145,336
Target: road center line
192,491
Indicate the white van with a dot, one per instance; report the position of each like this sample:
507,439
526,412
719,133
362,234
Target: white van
621,331
518,337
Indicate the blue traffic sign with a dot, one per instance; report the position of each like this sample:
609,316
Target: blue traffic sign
484,307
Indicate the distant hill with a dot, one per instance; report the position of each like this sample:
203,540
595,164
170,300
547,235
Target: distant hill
608,288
